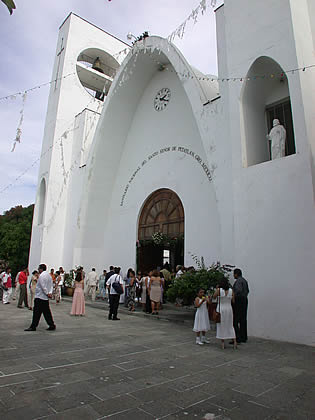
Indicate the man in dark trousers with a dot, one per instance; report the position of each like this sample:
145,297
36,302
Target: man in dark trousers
22,279
113,295
241,291
43,293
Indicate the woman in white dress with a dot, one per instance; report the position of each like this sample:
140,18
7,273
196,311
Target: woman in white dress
201,324
225,296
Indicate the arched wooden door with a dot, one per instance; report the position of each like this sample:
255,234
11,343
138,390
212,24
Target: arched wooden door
162,212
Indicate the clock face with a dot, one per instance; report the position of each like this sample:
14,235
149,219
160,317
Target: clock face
162,99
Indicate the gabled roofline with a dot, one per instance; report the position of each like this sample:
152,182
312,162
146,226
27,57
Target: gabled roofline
74,14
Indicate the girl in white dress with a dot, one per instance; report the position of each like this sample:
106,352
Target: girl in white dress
225,329
201,324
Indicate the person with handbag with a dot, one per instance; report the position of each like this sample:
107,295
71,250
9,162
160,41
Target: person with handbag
115,285
225,296
202,323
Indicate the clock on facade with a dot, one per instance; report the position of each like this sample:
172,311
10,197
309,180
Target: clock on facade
162,99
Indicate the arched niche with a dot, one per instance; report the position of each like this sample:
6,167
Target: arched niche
42,202
161,212
265,96
96,70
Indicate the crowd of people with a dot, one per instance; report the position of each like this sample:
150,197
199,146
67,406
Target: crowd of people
146,289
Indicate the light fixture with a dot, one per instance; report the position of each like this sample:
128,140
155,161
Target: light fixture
130,36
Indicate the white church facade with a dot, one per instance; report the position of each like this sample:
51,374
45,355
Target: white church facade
146,143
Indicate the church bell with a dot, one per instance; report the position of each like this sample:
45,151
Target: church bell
97,65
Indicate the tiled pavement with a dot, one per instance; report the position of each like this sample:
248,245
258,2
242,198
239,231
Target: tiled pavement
138,368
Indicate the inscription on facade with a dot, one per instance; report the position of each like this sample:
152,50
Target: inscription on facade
171,149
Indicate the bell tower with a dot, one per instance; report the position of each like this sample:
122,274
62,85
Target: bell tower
86,62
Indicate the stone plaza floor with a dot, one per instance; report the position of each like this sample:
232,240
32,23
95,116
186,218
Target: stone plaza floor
143,368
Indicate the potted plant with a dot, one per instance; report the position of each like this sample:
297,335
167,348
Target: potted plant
187,285
69,280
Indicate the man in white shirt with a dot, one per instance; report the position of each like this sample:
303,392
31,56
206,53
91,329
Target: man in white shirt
91,281
113,295
43,293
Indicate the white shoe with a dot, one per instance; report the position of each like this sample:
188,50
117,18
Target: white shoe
198,341
205,340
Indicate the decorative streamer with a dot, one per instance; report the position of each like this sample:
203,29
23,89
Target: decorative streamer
14,95
2,190
75,164
201,8
19,129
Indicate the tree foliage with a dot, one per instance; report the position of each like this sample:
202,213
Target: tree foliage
10,5
15,237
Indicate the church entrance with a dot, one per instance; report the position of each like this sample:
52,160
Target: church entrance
161,231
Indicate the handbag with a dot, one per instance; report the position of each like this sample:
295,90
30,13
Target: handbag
139,290
117,287
217,315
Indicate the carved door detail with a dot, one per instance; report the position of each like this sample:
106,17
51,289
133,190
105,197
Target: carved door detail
162,212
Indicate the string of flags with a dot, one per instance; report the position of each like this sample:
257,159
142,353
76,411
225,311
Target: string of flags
188,75
25,91
64,135
201,8
75,164
19,128
281,74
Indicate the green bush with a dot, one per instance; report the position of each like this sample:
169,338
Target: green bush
187,285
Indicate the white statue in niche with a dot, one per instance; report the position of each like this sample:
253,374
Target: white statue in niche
277,136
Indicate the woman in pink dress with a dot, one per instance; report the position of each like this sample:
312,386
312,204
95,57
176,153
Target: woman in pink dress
78,301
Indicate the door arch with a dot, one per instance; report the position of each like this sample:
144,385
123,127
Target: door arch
161,212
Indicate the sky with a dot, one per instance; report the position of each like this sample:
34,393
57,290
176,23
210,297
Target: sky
28,45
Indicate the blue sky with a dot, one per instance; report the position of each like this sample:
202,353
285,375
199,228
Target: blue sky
28,43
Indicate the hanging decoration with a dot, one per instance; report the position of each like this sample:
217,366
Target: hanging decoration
189,75
121,53
180,30
14,95
75,164
161,239
19,129
65,135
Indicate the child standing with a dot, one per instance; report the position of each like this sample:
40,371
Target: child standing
201,323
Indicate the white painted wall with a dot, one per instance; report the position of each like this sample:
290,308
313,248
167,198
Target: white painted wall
85,125
124,140
67,98
274,218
